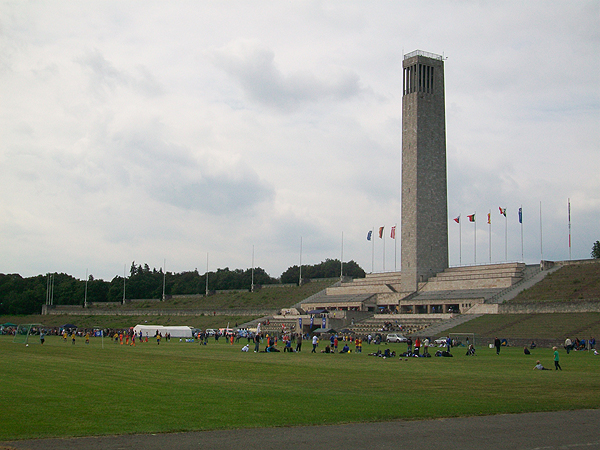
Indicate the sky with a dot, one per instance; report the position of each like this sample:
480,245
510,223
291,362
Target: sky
193,135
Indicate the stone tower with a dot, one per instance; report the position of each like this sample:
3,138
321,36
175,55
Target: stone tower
424,191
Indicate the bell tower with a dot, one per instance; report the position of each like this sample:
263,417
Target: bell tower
424,180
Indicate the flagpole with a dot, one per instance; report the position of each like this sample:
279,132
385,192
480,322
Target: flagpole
521,221
569,201
395,248
490,234
373,250
475,237
505,237
459,241
541,234
383,237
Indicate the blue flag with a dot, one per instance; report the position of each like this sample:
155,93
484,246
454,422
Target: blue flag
520,215
369,234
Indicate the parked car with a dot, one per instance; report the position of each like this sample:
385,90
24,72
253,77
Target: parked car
210,332
394,337
440,342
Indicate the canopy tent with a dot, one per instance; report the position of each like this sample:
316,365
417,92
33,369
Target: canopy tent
323,330
152,330
8,324
69,326
318,311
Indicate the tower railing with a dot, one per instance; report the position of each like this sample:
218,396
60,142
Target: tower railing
422,53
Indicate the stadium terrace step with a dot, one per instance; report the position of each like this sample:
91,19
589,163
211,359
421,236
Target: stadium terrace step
493,276
438,328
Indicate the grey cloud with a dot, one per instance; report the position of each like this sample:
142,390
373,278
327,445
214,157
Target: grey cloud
217,195
104,75
175,175
254,68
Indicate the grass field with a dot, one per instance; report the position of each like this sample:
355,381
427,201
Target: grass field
60,389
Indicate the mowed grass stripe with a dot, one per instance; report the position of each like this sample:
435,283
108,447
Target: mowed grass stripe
63,390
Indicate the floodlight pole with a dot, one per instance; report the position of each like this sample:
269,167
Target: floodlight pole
252,280
206,293
86,284
342,260
300,276
124,268
164,278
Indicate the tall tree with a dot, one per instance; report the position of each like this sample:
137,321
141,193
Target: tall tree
596,250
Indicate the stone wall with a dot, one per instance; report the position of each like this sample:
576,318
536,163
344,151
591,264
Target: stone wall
158,312
550,307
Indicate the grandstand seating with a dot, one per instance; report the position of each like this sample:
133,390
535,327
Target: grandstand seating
476,277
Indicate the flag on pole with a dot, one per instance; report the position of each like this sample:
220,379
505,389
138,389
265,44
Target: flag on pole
457,219
393,233
489,218
471,217
369,235
380,232
502,211
520,215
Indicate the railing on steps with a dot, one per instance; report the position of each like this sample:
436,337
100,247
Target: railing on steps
528,274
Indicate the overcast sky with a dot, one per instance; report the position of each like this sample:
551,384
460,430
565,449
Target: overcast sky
151,131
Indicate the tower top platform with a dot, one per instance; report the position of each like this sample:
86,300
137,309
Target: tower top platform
422,53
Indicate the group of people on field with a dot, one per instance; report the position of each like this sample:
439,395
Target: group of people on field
582,344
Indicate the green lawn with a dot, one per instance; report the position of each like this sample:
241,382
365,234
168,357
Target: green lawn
63,390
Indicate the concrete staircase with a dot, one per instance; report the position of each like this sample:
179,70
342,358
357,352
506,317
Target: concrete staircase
491,276
531,276
439,328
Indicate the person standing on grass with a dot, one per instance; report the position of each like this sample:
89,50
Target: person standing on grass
497,344
42,337
256,342
556,358
568,345
315,342
358,345
299,342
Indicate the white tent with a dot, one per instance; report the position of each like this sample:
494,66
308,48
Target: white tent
151,330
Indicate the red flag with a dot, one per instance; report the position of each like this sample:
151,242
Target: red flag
471,217
380,232
502,211
393,233
489,218
457,219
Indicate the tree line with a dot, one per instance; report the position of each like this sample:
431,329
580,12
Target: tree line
20,295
